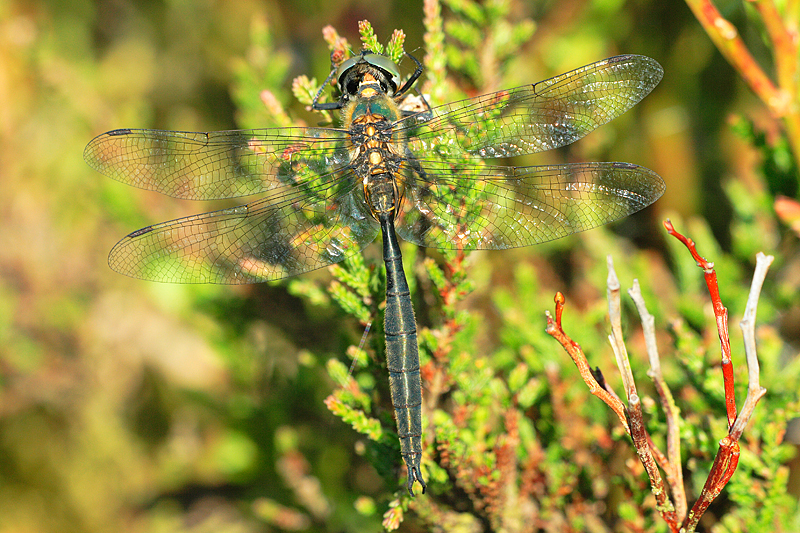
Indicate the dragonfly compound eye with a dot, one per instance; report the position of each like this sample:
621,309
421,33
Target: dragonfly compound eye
388,67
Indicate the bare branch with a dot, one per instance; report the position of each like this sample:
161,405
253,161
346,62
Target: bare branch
727,457
672,465
616,340
641,441
555,330
748,325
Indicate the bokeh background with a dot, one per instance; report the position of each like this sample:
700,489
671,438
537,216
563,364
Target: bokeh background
135,406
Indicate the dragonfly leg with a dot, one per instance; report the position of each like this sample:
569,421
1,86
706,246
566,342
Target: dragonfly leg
407,85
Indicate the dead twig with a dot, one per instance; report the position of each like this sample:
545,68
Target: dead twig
727,458
672,463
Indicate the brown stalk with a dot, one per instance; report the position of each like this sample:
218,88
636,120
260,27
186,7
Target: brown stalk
782,100
555,330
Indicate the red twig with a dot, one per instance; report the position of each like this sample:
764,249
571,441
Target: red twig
721,315
727,457
721,471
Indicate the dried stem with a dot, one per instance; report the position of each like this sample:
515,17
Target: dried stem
727,457
641,440
672,463
616,340
748,325
555,330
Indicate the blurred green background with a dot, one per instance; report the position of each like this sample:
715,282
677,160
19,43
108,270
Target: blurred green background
135,406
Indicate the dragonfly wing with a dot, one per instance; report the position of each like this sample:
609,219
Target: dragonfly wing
494,207
272,238
215,165
538,117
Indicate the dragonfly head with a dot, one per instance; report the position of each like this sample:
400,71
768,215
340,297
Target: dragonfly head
352,72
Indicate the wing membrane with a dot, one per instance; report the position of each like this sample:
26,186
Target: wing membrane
538,117
497,207
216,165
275,237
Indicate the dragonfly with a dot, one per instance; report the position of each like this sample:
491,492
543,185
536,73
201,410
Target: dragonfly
430,176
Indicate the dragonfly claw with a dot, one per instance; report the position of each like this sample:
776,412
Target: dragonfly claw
415,475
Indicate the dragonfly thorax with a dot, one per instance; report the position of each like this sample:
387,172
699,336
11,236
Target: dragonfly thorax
375,148
371,103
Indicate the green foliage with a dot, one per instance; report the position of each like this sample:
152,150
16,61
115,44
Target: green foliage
483,37
778,165
394,50
260,80
369,38
128,406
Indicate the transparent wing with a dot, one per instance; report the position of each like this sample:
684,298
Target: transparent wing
534,118
215,165
278,236
494,207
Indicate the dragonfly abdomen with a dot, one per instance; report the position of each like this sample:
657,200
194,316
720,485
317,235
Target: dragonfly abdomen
402,356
